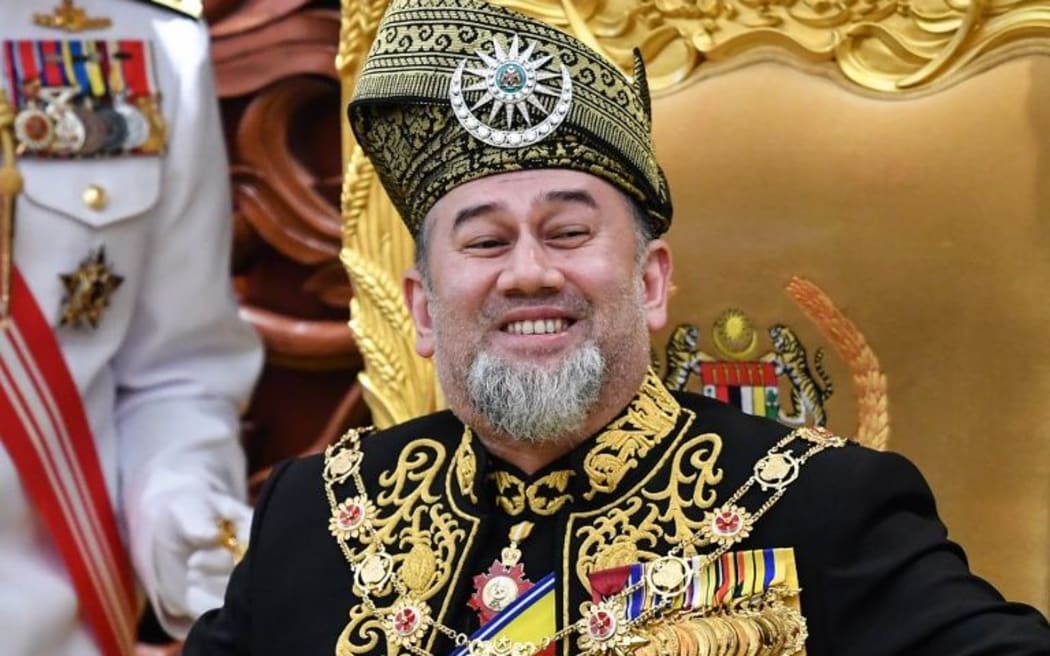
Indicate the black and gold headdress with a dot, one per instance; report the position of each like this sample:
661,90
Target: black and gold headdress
456,90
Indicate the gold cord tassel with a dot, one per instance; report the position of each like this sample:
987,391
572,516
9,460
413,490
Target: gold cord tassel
10,187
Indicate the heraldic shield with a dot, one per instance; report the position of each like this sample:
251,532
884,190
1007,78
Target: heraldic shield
860,238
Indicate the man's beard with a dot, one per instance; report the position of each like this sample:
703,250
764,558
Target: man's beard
535,404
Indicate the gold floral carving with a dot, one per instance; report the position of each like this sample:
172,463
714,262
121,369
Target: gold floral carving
377,250
618,449
886,46
869,381
544,496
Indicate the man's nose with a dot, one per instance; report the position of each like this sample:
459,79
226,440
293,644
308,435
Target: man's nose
529,270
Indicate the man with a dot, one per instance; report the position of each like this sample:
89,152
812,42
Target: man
122,361
568,503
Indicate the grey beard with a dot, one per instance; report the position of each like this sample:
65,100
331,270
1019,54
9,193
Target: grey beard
532,404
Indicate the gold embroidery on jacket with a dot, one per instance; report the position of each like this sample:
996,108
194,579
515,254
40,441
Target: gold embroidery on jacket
626,528
621,446
427,537
653,520
691,487
466,465
544,496
646,523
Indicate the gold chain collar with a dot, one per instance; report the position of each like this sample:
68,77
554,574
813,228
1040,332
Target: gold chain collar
409,620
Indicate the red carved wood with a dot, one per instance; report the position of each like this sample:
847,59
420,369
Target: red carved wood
275,72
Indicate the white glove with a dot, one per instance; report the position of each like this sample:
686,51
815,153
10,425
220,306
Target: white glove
191,564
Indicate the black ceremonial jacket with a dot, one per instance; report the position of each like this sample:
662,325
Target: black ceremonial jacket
876,573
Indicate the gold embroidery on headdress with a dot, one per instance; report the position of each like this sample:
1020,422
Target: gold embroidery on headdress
410,118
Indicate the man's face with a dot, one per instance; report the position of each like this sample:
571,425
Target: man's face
535,276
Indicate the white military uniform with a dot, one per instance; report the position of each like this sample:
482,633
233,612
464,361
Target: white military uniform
164,373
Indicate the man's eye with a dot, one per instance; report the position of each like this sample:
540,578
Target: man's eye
570,234
484,244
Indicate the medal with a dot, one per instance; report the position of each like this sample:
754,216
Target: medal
95,130
85,98
116,129
88,291
70,132
34,129
668,576
505,580
136,126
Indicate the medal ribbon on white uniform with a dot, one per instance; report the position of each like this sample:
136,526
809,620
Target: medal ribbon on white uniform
47,435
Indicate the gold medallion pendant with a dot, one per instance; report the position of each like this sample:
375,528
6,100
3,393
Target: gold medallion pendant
88,290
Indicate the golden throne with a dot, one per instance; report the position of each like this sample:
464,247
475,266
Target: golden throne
862,234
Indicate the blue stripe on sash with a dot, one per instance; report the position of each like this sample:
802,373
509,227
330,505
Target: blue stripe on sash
771,568
636,603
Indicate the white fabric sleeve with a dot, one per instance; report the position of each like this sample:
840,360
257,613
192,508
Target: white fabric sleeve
188,363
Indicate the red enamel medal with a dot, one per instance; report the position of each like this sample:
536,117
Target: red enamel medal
496,588
505,581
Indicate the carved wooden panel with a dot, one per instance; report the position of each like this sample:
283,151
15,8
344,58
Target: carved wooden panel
275,71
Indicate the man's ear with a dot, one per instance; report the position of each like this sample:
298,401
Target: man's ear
656,280
419,307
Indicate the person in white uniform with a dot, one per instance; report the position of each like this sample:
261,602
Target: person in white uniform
118,219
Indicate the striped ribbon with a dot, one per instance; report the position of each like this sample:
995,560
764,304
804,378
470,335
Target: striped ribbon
48,437
735,575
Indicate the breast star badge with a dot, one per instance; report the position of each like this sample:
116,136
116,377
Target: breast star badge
88,290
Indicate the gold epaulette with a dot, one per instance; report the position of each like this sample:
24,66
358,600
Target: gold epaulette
191,8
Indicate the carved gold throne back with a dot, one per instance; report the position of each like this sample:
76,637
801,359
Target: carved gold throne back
861,234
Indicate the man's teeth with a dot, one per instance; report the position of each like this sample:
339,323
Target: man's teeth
537,327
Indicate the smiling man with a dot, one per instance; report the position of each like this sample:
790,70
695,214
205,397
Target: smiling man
537,307
568,502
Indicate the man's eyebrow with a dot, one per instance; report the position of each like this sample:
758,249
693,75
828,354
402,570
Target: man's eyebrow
472,212
580,196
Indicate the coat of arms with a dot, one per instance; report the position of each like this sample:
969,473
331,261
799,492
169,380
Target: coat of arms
739,375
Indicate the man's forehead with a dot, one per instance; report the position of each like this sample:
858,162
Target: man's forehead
517,188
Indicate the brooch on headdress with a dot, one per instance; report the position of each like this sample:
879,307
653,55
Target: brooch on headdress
513,81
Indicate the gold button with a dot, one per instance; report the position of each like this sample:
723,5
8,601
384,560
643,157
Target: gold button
95,197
